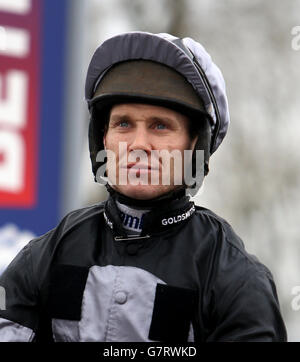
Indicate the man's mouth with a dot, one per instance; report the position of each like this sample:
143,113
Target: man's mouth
139,169
138,166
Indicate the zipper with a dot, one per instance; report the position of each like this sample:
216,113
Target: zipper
131,237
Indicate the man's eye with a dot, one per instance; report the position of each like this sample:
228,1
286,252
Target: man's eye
123,124
160,126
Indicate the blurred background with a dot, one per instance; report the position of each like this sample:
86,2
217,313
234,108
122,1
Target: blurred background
254,179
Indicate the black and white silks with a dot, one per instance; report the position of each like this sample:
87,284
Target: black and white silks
186,277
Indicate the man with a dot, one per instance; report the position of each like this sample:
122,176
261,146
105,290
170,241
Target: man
147,264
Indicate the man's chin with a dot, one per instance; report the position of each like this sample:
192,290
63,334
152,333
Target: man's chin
143,192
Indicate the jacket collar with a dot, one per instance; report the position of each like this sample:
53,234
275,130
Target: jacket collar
168,216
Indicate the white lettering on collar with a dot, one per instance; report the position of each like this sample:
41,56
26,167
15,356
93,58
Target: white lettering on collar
178,218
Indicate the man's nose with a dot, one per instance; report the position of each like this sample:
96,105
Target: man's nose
140,140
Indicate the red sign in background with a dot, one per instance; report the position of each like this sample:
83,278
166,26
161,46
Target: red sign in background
20,29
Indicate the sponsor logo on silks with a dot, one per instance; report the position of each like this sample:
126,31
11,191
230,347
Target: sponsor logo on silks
132,222
178,218
108,222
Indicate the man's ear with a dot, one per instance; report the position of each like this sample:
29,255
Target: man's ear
105,132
